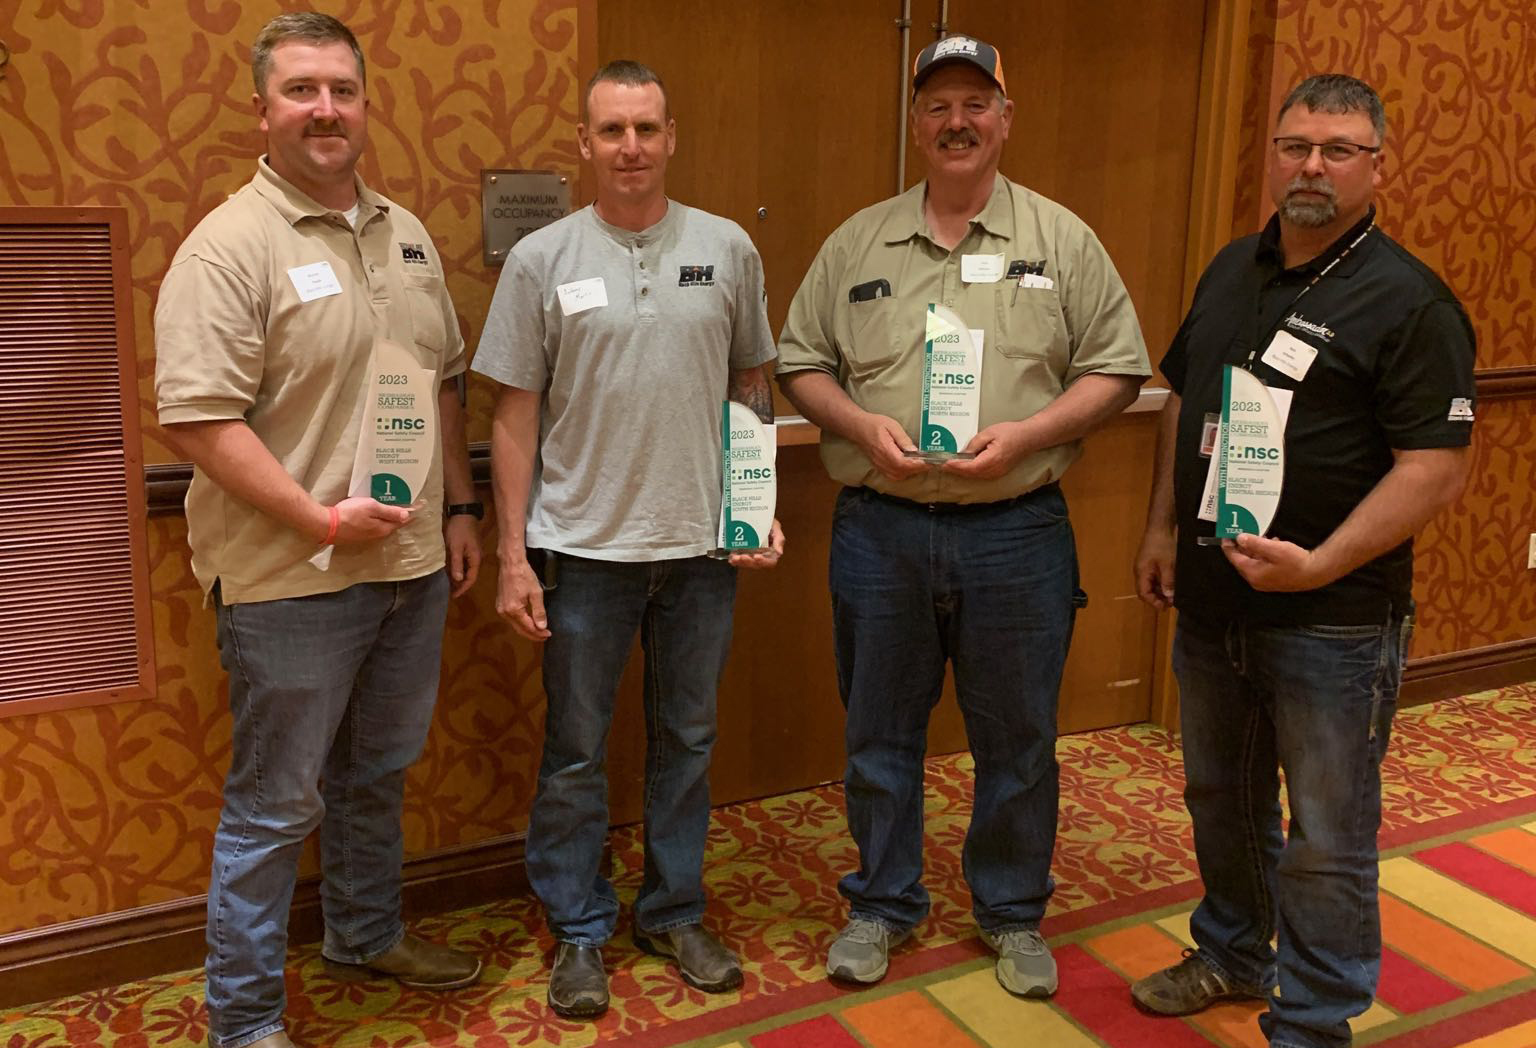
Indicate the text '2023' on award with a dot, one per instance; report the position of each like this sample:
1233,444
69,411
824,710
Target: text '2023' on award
951,386
749,481
397,442
1250,467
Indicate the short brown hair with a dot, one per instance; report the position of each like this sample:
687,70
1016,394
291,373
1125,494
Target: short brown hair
312,27
627,72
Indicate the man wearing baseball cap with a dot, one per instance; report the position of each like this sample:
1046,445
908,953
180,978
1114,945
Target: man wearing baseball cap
969,562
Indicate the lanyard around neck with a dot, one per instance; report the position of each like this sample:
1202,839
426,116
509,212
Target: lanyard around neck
1341,256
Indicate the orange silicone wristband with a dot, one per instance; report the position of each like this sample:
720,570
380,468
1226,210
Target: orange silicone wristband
330,535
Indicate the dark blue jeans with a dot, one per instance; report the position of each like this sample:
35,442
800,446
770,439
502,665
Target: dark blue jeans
991,590
1316,701
332,696
682,611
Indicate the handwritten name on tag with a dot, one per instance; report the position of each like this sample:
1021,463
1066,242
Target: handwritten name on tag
1289,355
581,295
981,269
316,280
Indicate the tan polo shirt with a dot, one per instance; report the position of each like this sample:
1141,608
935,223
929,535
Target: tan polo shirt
1037,340
234,339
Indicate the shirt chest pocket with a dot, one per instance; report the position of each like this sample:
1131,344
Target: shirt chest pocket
1032,326
429,320
876,335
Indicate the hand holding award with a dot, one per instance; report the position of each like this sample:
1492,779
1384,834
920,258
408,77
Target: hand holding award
748,484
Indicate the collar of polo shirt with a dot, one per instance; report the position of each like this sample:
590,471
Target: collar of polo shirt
294,204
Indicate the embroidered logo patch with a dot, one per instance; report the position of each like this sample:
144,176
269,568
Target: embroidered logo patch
1461,410
696,276
414,253
1296,323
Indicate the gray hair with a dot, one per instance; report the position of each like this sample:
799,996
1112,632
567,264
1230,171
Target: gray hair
1337,93
626,72
311,27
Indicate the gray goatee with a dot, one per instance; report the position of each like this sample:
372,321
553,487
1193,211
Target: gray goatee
1309,213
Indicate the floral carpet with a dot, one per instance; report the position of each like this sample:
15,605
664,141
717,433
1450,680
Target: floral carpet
1459,918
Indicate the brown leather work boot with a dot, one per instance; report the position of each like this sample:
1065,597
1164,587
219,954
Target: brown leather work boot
414,962
578,984
701,958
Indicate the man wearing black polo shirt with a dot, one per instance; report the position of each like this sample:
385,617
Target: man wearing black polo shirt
1289,647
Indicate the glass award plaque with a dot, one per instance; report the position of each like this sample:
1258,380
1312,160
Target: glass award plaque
951,387
1249,458
748,481
397,442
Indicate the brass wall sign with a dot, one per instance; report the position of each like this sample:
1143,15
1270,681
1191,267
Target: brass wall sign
514,204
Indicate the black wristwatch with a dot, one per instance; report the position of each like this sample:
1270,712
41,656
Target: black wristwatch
473,509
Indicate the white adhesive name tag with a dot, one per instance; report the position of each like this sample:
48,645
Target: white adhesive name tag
981,269
316,280
1036,280
1289,355
581,295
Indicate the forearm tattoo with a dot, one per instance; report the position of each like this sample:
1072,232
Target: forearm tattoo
749,386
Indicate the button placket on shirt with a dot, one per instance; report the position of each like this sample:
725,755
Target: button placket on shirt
643,274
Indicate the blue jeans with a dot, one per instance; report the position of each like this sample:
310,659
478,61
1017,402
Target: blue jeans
1316,701
332,696
682,611
991,589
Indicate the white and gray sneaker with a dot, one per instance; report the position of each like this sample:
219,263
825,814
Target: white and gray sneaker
861,953
1024,963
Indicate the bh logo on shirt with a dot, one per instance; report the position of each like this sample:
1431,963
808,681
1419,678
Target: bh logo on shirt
696,276
413,253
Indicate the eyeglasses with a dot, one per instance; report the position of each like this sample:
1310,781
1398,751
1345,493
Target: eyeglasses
1297,150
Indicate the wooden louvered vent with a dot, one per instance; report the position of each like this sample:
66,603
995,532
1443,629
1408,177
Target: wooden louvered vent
74,587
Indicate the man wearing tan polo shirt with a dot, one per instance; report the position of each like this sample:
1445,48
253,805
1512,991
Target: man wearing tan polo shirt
273,323
970,562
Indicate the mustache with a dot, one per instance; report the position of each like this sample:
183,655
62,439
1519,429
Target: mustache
1303,184
324,127
958,136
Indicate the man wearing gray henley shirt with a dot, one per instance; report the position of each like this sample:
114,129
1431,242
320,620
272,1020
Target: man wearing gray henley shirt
614,333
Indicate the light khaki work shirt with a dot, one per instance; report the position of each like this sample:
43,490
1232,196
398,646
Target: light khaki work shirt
234,339
1037,340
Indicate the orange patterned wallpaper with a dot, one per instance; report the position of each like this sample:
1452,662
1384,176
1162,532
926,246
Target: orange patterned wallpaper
1459,84
146,105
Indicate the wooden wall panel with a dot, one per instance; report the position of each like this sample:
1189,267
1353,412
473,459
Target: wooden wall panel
1105,100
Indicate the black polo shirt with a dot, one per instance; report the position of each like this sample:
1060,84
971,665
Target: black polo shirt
1393,371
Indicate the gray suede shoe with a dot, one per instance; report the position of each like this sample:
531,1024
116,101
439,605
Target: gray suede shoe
271,1040
862,951
1025,966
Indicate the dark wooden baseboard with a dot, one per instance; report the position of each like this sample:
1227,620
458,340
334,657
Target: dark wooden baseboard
1464,672
61,959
